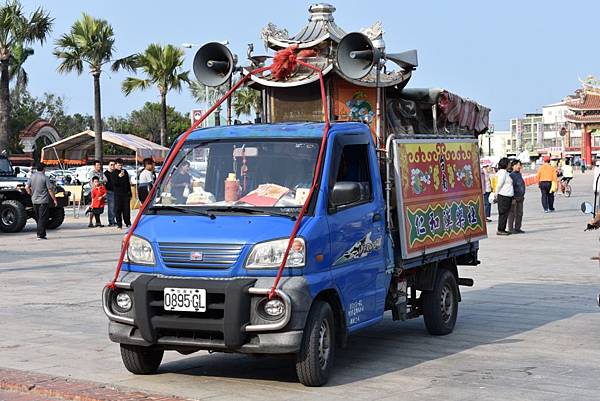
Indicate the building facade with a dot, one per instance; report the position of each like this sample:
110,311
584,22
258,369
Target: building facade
527,133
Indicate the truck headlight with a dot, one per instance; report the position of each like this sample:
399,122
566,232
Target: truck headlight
268,255
140,251
123,301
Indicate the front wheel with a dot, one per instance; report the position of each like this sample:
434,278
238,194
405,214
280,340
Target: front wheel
141,360
315,359
568,191
440,306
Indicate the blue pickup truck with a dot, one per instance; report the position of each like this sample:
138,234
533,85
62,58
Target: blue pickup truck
202,260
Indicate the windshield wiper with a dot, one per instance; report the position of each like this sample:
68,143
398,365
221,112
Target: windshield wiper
183,210
250,210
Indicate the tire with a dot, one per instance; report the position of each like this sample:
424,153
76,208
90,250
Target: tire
13,216
440,306
141,360
568,191
56,218
315,359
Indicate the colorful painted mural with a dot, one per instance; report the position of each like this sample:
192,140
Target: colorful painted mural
439,193
354,103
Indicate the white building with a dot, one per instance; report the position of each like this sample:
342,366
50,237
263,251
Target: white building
500,143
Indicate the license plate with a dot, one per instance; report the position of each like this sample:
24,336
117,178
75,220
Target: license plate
185,299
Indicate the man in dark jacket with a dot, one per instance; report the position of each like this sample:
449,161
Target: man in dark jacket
515,216
122,192
110,195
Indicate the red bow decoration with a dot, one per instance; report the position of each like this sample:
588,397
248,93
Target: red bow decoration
285,61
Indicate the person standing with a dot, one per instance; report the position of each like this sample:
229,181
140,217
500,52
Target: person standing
546,175
122,192
96,172
98,202
110,195
504,195
181,182
146,179
486,186
41,191
515,216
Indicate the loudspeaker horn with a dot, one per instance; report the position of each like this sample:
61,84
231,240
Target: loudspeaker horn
213,64
356,55
407,60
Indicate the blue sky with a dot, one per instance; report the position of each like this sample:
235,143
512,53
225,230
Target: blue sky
512,56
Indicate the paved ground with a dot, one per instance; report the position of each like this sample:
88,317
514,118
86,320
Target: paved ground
527,330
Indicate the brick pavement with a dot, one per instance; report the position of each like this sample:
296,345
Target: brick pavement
17,385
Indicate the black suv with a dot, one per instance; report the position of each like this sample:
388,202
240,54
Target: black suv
15,203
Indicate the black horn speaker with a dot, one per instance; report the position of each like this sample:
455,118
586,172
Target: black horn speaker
213,64
356,55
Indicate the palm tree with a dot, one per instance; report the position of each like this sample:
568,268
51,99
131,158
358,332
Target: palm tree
163,68
16,28
16,71
91,43
246,100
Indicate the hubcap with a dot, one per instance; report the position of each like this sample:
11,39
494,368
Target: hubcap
324,344
446,303
8,217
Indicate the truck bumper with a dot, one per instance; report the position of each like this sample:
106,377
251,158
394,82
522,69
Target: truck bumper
230,323
287,342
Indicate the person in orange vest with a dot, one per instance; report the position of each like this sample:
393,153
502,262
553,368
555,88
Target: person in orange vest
546,176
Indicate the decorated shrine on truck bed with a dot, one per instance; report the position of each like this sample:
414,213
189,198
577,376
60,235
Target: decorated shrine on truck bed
357,68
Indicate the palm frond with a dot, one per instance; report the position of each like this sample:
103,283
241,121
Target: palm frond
132,83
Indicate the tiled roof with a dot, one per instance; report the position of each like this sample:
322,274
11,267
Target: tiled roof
590,118
587,101
32,129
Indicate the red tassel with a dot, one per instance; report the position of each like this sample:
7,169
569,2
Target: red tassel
285,61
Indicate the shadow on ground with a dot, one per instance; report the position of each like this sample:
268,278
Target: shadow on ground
484,318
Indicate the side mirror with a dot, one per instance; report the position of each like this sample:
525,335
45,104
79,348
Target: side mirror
17,170
345,193
587,208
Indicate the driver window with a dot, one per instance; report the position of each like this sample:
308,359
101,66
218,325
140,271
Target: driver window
354,167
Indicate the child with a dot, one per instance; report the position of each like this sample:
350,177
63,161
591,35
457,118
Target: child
98,201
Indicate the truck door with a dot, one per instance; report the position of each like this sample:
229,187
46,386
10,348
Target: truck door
357,229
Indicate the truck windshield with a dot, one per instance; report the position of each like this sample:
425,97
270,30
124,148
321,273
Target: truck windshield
246,174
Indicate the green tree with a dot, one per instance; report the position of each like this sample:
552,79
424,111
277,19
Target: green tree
16,28
247,100
91,43
162,67
146,123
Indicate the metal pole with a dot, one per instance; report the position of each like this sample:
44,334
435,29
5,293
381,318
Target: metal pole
229,102
378,105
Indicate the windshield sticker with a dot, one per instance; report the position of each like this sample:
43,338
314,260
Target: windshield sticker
360,249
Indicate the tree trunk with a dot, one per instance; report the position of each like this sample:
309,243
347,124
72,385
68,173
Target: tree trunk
5,137
98,152
163,119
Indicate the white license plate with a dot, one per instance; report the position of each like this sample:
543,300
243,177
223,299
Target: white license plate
185,299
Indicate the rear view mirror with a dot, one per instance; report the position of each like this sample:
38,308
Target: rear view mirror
17,170
345,193
587,208
246,151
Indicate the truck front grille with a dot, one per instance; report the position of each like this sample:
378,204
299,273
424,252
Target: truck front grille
199,256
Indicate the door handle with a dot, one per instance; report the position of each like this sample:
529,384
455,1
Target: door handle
376,217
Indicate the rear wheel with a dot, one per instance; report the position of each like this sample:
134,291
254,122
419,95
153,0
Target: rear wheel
440,306
567,190
315,359
141,360
56,218
13,216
